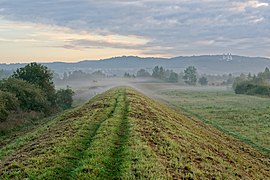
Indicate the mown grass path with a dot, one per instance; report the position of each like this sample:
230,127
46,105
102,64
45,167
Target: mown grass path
106,156
88,141
118,152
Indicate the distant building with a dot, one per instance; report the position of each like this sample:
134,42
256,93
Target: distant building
227,57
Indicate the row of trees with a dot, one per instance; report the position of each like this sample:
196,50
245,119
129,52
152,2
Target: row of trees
31,88
253,85
81,75
158,73
165,74
190,75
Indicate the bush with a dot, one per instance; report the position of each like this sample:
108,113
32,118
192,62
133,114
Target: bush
203,81
249,88
8,103
3,113
64,98
29,96
143,73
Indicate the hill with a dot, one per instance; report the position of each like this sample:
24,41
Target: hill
124,134
210,64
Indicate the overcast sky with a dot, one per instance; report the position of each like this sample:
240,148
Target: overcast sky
73,30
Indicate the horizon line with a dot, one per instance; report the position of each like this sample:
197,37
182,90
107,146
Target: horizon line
142,57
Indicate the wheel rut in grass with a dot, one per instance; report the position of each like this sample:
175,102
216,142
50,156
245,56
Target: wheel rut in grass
105,157
118,153
88,141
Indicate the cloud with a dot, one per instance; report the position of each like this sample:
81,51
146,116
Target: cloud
171,27
243,5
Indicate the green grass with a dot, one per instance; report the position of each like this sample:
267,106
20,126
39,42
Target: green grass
122,134
245,117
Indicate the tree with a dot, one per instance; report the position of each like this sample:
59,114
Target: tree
143,73
156,73
230,79
265,75
64,98
98,74
190,75
161,73
173,77
40,76
203,81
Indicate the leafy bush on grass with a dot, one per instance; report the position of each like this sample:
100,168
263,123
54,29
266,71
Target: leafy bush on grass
8,103
249,88
30,96
256,85
64,98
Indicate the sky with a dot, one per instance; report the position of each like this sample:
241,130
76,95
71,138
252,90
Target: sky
74,30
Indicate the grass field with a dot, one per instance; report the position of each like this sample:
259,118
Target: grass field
245,117
122,134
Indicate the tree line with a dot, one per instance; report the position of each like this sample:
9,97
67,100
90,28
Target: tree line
253,84
190,75
78,75
31,88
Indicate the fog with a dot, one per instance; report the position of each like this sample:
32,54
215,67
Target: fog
86,89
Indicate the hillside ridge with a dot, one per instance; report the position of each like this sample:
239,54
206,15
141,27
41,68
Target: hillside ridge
210,64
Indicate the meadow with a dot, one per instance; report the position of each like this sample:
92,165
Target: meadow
244,117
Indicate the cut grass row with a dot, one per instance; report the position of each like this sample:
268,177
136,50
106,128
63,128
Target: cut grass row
105,157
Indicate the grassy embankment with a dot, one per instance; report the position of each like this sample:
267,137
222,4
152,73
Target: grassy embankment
123,134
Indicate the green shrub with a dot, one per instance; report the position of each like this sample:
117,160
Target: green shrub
249,88
29,96
64,98
8,103
3,113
